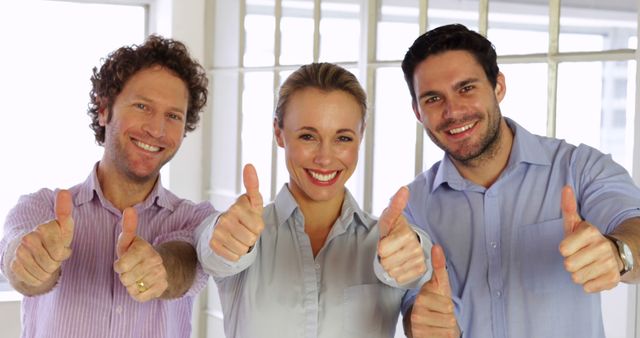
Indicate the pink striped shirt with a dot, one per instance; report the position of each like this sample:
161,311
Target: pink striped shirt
89,300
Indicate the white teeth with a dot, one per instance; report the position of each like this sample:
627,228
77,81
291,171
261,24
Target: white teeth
323,178
146,147
461,129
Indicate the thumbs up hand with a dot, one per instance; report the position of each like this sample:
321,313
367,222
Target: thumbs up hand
399,249
40,253
590,258
239,228
433,311
139,266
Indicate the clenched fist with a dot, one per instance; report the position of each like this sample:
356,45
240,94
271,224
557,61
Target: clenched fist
40,253
239,228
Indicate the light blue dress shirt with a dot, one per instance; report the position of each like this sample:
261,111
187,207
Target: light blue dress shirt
501,243
280,290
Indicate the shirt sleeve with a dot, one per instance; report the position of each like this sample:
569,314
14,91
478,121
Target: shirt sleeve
219,267
606,193
384,277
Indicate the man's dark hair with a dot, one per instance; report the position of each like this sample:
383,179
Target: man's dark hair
126,61
448,38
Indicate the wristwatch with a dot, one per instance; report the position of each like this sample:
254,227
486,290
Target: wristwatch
626,256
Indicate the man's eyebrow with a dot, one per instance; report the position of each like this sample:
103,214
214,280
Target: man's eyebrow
457,85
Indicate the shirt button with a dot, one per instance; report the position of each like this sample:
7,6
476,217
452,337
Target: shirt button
118,309
494,245
317,266
499,294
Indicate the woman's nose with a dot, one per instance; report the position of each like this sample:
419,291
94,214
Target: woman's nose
323,155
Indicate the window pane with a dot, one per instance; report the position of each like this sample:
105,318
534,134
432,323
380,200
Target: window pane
259,26
395,137
587,93
596,25
526,83
339,31
296,27
519,28
44,89
579,99
444,12
397,29
431,152
257,121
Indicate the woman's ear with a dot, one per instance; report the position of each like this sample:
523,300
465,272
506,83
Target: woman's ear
278,133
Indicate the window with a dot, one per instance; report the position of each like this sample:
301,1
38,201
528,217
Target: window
586,72
45,86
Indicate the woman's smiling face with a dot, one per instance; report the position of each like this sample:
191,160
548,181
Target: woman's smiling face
321,135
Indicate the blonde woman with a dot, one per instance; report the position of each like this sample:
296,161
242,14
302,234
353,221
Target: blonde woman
312,263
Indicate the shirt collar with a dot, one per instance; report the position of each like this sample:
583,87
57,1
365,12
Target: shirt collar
91,188
286,206
521,152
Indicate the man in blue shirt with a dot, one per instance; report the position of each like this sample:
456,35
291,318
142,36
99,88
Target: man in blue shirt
531,228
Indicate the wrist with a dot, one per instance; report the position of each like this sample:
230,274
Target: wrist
622,254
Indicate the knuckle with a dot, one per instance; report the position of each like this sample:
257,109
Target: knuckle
593,231
252,239
50,267
568,265
15,265
576,279
614,279
450,334
216,247
156,259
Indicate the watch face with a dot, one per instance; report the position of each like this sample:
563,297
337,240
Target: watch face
628,256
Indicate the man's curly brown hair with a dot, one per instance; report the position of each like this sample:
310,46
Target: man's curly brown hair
126,61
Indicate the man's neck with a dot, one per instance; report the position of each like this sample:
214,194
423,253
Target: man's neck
121,190
485,170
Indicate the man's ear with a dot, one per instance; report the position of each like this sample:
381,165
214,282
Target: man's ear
416,111
103,111
501,87
278,132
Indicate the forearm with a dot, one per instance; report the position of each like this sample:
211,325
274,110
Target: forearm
17,283
629,232
180,261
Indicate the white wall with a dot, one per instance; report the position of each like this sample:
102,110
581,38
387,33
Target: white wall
182,20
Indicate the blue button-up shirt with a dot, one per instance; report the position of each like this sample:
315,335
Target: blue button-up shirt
507,274
279,289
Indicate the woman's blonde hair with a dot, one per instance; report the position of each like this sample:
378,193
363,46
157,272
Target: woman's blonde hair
324,76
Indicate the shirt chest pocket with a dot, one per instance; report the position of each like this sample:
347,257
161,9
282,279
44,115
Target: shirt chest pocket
540,262
371,310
